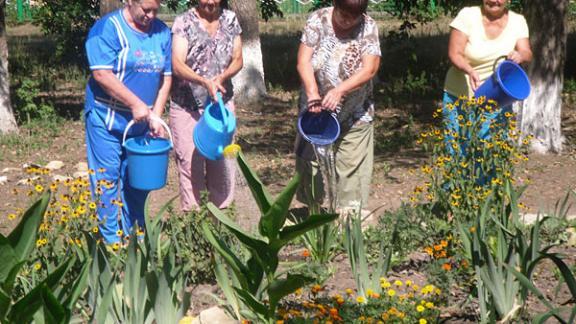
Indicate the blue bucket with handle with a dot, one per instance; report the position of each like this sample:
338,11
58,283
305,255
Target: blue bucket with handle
147,158
320,128
507,84
215,129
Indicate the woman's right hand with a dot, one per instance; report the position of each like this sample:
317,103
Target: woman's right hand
315,105
140,113
474,80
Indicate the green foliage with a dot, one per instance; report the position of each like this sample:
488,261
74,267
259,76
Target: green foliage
251,282
68,21
191,248
49,301
354,244
25,105
149,284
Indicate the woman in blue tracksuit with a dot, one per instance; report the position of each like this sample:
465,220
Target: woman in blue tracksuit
129,52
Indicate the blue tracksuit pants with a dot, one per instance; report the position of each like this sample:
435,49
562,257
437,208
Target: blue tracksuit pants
120,206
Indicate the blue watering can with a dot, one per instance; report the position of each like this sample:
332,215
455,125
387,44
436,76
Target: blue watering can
147,158
509,83
215,129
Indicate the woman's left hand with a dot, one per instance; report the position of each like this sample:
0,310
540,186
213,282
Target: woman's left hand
332,99
515,57
156,129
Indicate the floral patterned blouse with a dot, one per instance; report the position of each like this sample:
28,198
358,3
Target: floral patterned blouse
335,60
207,56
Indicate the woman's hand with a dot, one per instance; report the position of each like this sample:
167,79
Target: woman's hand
315,105
332,99
140,113
474,80
156,128
515,57
213,86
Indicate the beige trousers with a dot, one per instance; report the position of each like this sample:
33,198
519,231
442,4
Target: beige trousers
354,159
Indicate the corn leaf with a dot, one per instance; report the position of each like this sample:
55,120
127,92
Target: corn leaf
273,220
250,301
289,233
259,192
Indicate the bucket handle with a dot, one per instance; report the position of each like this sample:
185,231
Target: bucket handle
152,116
222,107
497,61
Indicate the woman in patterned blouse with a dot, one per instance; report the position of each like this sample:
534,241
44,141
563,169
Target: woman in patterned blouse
339,55
207,53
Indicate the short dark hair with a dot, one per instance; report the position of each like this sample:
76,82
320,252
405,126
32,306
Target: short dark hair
356,7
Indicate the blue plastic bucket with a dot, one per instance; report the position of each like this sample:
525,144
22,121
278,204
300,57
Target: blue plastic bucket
319,128
147,159
509,83
215,129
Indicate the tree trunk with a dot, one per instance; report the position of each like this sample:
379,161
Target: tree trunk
249,82
541,112
7,120
109,5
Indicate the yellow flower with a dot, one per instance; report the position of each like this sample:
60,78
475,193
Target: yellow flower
422,321
361,300
11,216
420,308
37,266
231,151
119,233
385,285
39,188
95,229
349,291
116,246
92,205
429,305
398,283
391,292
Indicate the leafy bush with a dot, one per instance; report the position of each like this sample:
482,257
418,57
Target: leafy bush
27,106
68,21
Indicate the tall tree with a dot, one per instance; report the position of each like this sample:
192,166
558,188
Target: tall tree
109,5
7,120
541,112
249,82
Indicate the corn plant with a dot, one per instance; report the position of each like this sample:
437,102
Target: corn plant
49,301
256,282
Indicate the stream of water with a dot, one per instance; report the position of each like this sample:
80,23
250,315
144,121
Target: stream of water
327,165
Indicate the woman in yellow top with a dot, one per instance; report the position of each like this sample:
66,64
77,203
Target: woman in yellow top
478,37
